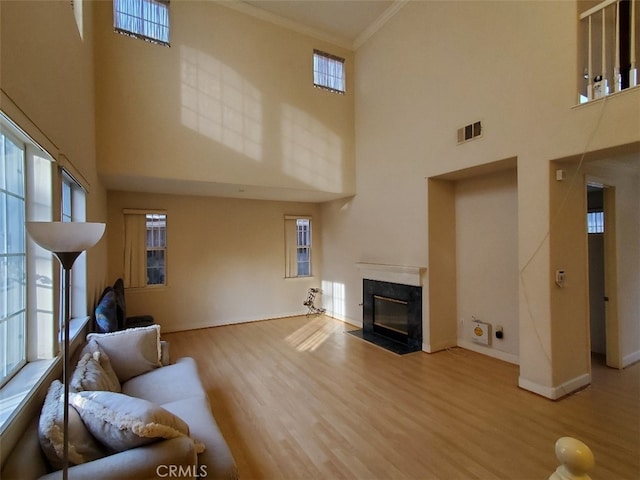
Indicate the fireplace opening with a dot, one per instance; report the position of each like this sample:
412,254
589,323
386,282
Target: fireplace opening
392,315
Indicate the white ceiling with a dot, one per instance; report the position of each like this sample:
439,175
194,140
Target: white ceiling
344,22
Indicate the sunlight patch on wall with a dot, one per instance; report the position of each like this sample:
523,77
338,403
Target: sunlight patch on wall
311,152
220,104
79,16
333,298
313,334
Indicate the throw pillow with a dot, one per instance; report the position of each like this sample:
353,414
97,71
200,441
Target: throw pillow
107,312
121,422
132,352
91,374
82,446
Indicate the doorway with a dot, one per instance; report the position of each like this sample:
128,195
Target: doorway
602,274
595,232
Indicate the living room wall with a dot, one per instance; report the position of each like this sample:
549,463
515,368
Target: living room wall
47,87
231,102
462,62
225,260
487,260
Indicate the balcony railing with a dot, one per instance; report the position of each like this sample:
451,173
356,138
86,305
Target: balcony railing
608,45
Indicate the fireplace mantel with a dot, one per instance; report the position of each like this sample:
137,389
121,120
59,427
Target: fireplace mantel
402,274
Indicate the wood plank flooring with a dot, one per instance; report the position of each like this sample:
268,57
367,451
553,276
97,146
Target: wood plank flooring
298,398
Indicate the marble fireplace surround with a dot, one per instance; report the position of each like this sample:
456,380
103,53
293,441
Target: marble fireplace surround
394,281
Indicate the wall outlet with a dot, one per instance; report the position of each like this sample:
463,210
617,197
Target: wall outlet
499,332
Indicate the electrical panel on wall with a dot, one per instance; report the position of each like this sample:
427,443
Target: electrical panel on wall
469,132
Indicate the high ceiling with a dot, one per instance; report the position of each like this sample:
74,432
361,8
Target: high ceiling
346,22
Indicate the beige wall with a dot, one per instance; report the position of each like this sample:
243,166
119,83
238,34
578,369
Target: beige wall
231,102
47,81
433,68
225,260
487,259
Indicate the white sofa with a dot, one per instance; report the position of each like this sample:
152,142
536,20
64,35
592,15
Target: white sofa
177,389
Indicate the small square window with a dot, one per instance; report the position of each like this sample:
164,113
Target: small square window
144,19
328,72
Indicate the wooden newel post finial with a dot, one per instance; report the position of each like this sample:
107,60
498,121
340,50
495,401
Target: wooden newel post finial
576,460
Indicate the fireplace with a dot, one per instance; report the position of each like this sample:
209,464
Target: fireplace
392,315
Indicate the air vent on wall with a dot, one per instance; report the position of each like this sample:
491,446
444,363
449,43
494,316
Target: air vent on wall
469,132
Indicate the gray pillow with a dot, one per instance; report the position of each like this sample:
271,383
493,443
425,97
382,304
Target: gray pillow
94,372
82,446
132,352
121,422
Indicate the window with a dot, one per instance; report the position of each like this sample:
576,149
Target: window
298,246
13,257
156,248
145,249
144,19
595,222
328,71
74,210
26,270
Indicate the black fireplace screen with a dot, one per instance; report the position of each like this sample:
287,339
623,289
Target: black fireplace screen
391,313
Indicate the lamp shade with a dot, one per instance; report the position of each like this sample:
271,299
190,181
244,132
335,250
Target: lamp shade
60,237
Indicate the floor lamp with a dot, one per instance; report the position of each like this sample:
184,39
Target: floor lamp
66,240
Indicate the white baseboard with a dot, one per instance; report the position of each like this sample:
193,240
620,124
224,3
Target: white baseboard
437,347
631,358
560,391
490,352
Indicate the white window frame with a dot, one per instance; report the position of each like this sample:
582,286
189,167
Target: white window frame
40,285
157,243
147,20
298,239
73,207
329,72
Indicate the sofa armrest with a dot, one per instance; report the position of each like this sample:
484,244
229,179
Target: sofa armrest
165,353
173,458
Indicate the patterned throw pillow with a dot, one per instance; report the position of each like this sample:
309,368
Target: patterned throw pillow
107,312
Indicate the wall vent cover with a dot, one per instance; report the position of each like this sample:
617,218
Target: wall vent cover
469,132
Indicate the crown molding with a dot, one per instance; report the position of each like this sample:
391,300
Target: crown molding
378,23
240,6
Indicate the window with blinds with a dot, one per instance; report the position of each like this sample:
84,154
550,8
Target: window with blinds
297,246
328,72
144,19
156,248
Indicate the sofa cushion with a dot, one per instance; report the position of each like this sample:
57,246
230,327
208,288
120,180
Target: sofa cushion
132,352
107,312
94,372
217,459
82,446
167,384
121,422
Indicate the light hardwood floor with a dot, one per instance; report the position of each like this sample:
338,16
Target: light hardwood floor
299,398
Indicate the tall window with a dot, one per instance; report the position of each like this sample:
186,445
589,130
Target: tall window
144,19
298,247
156,248
13,257
328,71
145,249
74,210
26,270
